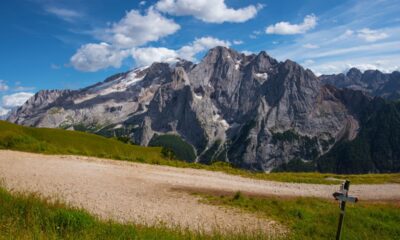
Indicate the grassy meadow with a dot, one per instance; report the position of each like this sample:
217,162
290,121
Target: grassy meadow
313,218
59,141
30,217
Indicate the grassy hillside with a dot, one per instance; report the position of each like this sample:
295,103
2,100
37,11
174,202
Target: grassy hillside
312,218
29,217
58,141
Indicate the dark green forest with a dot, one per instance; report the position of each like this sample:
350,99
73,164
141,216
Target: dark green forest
375,149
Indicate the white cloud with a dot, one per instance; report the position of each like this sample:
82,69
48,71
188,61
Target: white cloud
3,111
21,88
146,56
16,99
308,62
3,86
135,29
310,46
215,11
255,34
55,66
63,13
377,48
237,42
286,28
339,43
142,3
93,57
121,38
370,35
346,35
188,52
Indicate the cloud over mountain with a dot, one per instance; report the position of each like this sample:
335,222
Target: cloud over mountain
16,99
286,28
148,55
136,29
133,30
208,11
93,57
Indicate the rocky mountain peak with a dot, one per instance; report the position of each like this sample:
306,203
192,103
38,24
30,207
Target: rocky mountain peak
354,73
264,59
221,54
252,111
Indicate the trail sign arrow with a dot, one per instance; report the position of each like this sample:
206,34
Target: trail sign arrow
343,197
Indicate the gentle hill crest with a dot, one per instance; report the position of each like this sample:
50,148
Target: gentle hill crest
57,141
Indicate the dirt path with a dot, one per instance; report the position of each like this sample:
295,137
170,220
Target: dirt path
140,193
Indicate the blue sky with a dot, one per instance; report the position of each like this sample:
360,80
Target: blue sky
49,44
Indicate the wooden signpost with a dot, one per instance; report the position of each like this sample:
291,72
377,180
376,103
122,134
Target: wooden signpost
342,196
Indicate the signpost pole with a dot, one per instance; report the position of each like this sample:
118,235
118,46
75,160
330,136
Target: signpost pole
342,210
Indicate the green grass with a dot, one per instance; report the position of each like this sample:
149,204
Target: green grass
58,141
183,150
312,218
30,217
313,177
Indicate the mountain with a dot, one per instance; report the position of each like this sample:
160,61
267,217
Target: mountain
376,147
374,82
249,110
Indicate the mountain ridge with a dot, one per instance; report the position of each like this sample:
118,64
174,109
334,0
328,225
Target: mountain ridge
374,82
250,110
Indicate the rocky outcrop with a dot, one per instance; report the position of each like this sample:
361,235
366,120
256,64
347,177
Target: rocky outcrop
250,110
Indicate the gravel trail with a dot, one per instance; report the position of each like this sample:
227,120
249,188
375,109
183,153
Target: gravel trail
147,194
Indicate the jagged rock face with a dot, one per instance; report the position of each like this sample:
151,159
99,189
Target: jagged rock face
252,110
374,82
28,113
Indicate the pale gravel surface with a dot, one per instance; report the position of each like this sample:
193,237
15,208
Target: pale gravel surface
141,193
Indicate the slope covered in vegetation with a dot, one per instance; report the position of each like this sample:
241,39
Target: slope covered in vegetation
58,141
375,149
